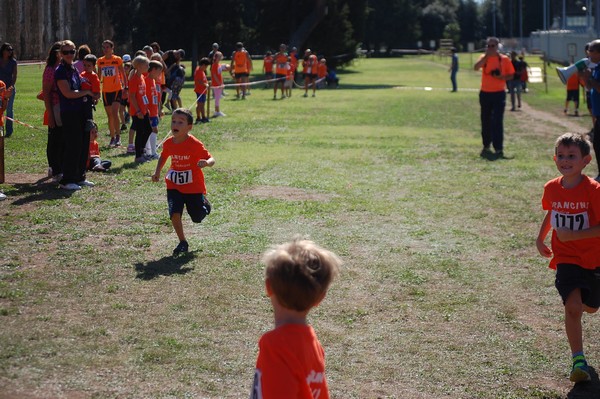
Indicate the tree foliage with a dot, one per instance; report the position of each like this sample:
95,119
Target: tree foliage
331,27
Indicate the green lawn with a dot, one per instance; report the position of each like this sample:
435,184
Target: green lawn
442,293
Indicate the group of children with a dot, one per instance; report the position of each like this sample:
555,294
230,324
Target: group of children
283,67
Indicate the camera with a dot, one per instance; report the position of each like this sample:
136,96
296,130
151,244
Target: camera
495,72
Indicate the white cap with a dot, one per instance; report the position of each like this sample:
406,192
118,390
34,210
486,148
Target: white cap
126,58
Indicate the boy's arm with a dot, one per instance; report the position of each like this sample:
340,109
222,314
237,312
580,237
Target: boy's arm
159,166
571,235
206,162
542,248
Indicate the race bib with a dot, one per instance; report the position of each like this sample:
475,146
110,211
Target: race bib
109,71
145,100
180,177
154,100
577,221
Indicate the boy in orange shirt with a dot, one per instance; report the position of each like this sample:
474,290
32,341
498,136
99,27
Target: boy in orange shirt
201,88
281,64
94,162
138,105
185,179
572,202
291,361
90,81
112,76
268,67
573,93
321,73
289,79
153,94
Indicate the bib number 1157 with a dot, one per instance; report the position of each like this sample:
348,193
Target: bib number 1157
180,176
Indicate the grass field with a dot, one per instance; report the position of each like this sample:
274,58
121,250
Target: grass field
442,293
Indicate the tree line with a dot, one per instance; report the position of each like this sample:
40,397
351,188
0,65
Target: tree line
331,27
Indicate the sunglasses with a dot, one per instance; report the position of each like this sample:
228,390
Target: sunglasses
67,52
9,49
491,45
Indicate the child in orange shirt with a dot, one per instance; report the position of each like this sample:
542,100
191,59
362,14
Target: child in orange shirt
153,94
90,81
572,205
289,79
138,105
291,361
94,162
573,93
216,72
4,96
321,73
268,67
201,88
185,179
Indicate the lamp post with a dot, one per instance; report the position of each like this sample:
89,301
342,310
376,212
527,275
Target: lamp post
494,18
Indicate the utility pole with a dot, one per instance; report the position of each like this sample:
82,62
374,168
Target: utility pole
494,18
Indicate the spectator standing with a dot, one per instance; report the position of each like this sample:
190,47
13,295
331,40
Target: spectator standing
54,146
112,76
241,66
82,51
496,69
8,75
454,69
515,84
573,93
76,140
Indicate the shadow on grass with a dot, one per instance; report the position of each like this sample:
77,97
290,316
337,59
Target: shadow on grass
126,166
492,156
586,390
41,190
166,266
366,87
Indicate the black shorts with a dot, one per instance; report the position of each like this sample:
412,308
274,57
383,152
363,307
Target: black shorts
109,98
570,277
242,75
573,95
197,205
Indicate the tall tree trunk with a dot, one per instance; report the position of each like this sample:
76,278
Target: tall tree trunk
298,38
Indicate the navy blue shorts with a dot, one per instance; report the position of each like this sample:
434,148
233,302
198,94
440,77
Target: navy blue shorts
197,205
570,277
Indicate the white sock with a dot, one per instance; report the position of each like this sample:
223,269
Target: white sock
151,144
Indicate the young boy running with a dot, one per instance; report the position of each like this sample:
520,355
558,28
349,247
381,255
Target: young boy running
572,202
291,361
185,179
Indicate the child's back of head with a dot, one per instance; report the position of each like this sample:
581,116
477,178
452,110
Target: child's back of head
300,272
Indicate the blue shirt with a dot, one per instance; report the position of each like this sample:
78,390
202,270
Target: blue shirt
595,94
6,72
71,75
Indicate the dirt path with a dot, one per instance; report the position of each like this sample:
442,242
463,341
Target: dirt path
548,123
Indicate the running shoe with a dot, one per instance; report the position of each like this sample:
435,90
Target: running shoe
181,248
580,371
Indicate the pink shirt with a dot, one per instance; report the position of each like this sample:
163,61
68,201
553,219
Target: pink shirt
48,77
